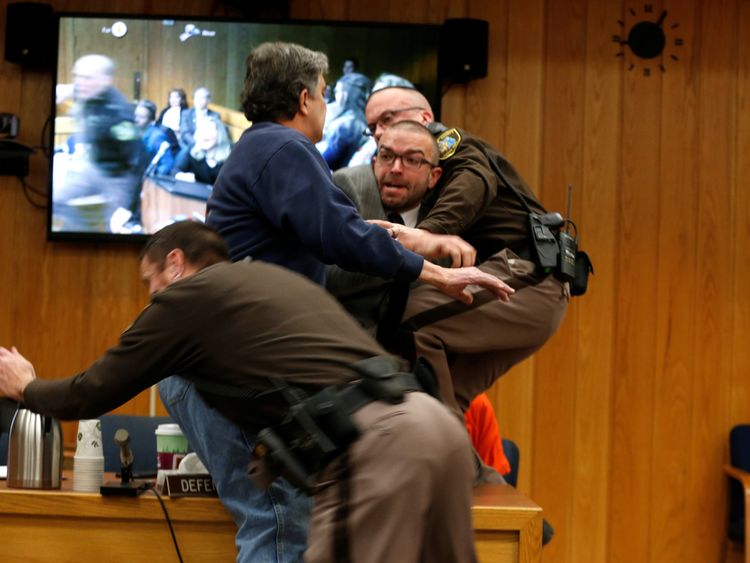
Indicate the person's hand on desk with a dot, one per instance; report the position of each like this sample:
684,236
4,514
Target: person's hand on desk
16,372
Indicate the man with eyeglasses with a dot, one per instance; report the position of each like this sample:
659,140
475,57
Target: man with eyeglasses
267,346
274,201
469,346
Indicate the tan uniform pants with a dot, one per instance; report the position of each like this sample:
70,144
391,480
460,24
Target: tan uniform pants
410,488
470,346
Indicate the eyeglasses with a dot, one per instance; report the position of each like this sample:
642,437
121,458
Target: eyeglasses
386,119
410,161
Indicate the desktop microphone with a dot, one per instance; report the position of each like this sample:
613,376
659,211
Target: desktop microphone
127,486
122,439
163,148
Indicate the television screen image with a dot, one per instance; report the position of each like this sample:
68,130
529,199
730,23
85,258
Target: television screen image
146,109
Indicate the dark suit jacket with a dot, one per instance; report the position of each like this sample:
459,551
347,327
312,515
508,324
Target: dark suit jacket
364,297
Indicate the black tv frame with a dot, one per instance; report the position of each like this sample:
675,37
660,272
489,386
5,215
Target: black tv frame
433,93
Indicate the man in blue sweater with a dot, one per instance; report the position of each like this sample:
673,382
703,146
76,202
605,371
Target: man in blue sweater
275,201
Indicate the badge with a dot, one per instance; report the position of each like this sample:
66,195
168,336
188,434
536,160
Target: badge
448,143
124,131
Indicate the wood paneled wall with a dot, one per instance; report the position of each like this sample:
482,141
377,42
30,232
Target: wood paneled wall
623,417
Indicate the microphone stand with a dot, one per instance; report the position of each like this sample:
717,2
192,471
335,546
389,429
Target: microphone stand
127,486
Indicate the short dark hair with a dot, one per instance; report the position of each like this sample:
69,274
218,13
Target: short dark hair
201,245
183,97
276,73
149,106
416,127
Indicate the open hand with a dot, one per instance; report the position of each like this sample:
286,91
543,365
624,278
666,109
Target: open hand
454,282
16,372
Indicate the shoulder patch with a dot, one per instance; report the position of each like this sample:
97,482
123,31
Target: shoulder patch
448,142
124,131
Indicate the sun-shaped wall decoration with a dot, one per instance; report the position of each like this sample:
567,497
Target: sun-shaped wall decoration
648,41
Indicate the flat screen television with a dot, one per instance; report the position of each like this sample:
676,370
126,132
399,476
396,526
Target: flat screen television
113,177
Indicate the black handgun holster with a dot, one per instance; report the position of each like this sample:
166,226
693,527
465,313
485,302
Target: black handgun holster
318,428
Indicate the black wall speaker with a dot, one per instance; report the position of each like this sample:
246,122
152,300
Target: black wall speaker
29,34
463,49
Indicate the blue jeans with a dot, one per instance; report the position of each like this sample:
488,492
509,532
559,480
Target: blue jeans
271,524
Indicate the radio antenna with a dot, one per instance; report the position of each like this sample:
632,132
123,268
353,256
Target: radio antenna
567,210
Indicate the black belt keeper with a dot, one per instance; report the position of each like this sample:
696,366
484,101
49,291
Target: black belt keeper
525,252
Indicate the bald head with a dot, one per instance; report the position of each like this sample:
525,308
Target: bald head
92,74
392,105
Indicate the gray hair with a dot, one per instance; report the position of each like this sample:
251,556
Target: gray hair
223,143
275,76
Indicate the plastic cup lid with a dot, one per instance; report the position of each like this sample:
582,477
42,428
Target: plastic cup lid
169,430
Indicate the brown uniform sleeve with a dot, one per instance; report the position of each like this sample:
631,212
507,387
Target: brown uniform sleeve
467,187
155,346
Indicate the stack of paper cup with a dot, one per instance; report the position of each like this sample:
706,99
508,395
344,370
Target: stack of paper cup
88,462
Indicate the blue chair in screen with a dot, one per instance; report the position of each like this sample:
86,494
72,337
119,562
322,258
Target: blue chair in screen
142,430
738,470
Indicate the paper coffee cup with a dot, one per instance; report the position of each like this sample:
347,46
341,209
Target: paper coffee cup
89,438
171,446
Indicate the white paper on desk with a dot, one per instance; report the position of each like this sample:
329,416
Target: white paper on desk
3,471
191,463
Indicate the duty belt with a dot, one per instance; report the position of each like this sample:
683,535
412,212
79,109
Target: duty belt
381,381
318,428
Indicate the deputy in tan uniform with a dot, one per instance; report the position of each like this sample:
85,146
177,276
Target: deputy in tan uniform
254,327
455,192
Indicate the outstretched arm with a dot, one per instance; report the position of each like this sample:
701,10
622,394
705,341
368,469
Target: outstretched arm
432,245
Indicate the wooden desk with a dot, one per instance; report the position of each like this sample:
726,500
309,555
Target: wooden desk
164,199
507,526
63,526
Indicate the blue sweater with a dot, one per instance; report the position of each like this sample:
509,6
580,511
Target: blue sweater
275,201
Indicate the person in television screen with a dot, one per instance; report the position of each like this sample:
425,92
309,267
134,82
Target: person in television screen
274,201
171,116
351,64
203,162
471,347
190,118
345,120
160,142
103,178
161,147
400,488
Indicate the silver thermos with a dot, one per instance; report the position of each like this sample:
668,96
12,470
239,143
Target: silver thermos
34,451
